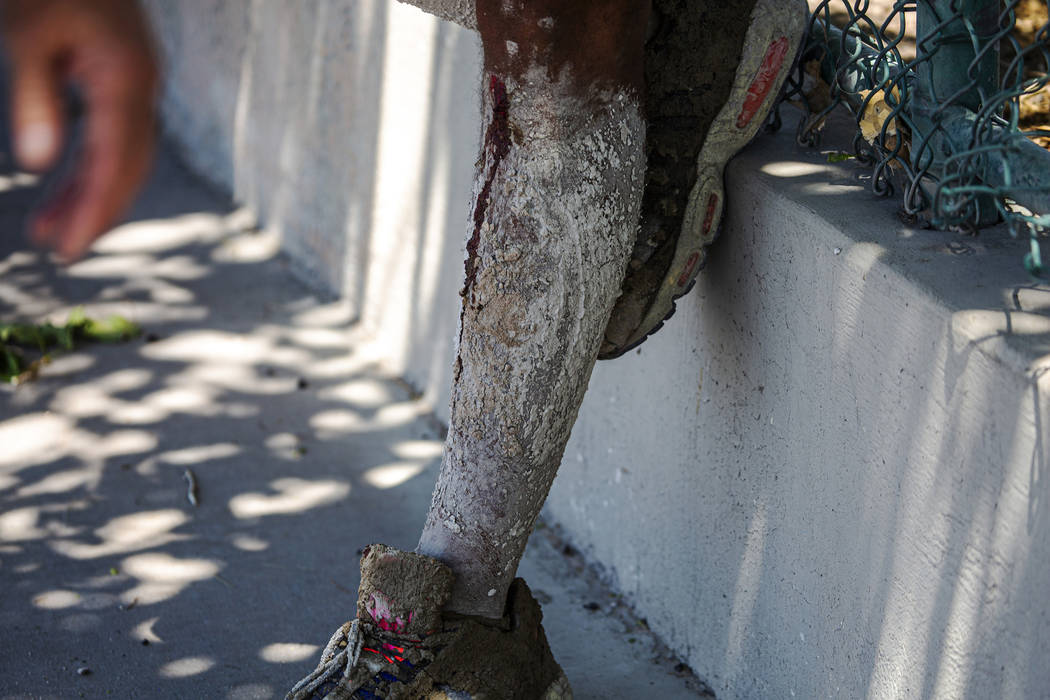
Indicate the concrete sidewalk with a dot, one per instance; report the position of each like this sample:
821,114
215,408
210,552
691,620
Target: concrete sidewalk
304,451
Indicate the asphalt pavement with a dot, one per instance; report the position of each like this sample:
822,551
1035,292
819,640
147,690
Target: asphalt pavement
301,448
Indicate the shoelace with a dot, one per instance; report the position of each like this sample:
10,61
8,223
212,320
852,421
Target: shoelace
322,674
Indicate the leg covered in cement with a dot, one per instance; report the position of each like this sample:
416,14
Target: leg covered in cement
555,215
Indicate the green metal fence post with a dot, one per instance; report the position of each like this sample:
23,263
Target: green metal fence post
962,69
941,123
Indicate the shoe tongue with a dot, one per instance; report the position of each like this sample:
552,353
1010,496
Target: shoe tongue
402,592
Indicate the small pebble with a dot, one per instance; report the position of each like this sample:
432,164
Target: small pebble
592,606
145,642
302,384
84,671
837,251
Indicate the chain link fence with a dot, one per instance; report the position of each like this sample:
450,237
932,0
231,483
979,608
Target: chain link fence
951,102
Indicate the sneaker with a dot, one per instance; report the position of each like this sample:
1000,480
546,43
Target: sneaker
401,646
711,80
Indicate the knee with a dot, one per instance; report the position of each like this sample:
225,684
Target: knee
596,39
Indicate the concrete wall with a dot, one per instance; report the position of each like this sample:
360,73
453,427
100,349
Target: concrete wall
826,477
350,127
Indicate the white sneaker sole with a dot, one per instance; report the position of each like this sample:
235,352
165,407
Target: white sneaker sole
771,44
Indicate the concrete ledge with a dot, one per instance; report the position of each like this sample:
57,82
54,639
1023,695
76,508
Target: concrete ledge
825,478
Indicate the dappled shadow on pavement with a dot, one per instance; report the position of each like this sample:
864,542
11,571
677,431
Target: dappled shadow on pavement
301,448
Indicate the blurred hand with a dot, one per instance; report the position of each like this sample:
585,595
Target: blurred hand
104,47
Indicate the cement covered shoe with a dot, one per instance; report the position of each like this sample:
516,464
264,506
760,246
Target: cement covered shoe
712,77
402,647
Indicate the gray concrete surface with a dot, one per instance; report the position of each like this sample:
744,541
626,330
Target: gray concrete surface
825,478
350,127
303,447
836,451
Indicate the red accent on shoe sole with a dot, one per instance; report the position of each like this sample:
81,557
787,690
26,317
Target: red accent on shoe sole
763,81
709,215
687,271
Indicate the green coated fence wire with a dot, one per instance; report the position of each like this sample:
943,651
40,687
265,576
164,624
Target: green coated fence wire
952,105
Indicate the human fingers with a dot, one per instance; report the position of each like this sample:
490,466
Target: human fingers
115,159
37,116
104,48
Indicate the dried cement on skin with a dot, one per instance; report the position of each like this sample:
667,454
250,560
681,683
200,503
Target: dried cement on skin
556,206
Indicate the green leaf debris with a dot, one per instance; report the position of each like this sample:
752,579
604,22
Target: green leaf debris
26,347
